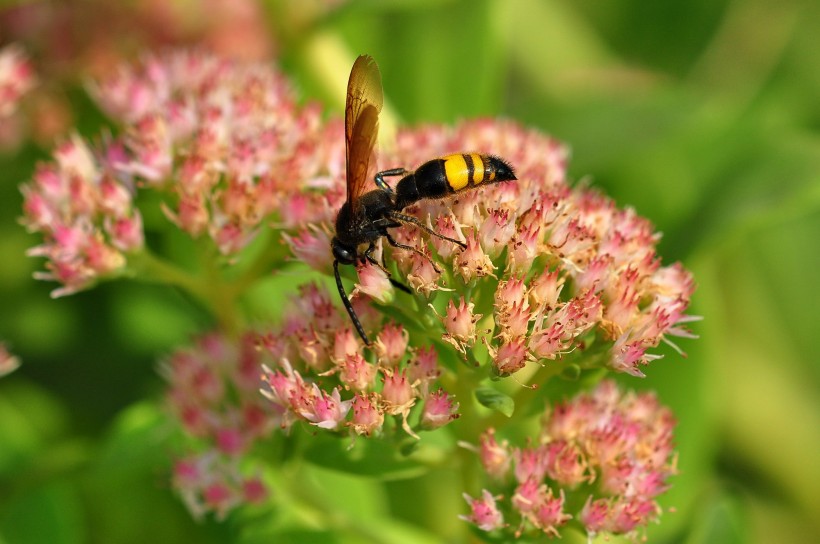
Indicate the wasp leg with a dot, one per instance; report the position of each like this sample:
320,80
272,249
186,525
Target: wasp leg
368,254
379,178
402,218
348,306
397,284
413,249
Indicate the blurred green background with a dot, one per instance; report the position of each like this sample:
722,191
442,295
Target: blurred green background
703,115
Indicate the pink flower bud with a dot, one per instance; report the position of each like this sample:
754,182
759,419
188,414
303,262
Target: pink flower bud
460,324
126,232
496,231
424,365
391,344
473,262
484,512
510,357
495,458
356,373
367,417
439,409
397,392
445,225
345,343
374,283
310,246
524,248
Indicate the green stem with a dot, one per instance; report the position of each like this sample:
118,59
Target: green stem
212,291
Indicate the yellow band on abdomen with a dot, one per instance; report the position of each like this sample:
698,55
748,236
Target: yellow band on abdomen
478,168
455,168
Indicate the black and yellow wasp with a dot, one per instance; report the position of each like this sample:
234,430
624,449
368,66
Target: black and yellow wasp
366,215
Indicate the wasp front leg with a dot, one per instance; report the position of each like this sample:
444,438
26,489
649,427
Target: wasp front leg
348,306
397,284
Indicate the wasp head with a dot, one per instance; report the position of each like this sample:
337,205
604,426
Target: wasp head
341,252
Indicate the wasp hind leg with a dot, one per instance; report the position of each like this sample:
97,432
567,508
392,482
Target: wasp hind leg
394,243
379,178
402,218
348,306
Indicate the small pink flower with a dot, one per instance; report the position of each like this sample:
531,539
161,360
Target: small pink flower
422,276
219,497
310,246
254,491
495,458
391,344
595,515
545,290
326,411
510,357
445,224
398,397
398,392
345,343
439,409
424,365
356,373
473,262
510,292
484,512
127,232
496,231
524,248
549,513
566,464
367,417
16,78
530,464
374,283
460,324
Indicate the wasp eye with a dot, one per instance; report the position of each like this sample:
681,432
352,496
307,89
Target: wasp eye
341,253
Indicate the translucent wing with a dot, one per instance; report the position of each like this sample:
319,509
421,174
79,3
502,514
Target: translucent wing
364,102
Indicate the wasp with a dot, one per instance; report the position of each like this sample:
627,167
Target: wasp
366,216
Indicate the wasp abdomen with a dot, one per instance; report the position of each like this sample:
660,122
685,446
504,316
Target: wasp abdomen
451,174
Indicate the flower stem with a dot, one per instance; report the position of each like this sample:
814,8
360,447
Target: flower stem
211,291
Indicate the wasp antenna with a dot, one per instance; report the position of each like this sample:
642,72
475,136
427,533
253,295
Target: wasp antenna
348,306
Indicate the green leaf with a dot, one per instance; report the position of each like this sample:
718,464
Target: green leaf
494,400
368,457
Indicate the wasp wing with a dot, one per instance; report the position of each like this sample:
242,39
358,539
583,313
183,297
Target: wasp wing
364,102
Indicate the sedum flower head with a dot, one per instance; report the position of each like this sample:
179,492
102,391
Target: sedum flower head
85,212
320,377
213,395
608,450
16,78
565,268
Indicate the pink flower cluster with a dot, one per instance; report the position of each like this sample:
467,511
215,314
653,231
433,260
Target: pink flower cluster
224,142
608,450
214,395
227,140
86,214
16,78
322,378
571,267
